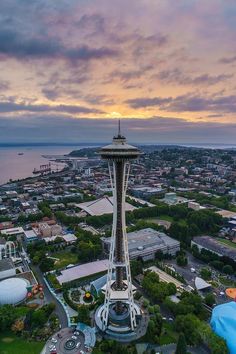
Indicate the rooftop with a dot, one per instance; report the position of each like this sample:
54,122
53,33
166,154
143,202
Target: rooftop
213,245
101,206
119,148
6,264
201,284
13,231
147,239
226,213
30,234
83,270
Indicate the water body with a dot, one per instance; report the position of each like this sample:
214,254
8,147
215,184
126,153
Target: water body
15,166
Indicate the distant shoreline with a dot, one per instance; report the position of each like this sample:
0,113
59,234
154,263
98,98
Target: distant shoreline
193,145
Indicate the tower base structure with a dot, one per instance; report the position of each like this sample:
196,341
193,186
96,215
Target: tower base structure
119,327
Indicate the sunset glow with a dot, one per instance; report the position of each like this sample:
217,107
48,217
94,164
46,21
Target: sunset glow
172,62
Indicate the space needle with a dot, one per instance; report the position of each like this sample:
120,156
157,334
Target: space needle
119,316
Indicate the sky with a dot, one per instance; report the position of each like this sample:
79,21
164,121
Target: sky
69,69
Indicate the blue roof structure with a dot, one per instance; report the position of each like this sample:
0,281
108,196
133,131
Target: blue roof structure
223,323
89,334
99,283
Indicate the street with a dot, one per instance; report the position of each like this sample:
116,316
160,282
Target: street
59,310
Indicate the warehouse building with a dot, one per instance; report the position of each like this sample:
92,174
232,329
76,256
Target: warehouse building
145,243
211,244
83,271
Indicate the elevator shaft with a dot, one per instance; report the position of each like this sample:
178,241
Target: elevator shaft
119,251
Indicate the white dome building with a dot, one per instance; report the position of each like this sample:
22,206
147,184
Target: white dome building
13,291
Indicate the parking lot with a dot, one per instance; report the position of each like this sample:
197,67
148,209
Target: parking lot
190,276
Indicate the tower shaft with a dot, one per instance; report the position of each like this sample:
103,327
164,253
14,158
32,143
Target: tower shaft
118,314
119,252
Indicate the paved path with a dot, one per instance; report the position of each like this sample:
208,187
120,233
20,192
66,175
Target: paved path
50,298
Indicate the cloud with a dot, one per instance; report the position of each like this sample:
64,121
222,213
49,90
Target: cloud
4,85
51,94
228,60
99,99
156,130
94,23
9,107
187,103
153,54
15,45
144,102
128,75
177,77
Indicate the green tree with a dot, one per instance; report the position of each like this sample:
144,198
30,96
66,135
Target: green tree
136,267
181,345
181,260
228,269
188,324
154,329
46,264
217,265
205,273
7,317
210,299
38,318
83,314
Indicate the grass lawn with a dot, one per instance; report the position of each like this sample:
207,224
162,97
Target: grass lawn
227,242
168,335
65,258
162,217
12,344
165,217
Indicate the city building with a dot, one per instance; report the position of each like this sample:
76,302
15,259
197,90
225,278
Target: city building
201,284
13,291
101,206
211,244
145,243
146,191
67,238
30,236
15,231
82,271
46,230
171,198
195,206
163,276
226,214
7,268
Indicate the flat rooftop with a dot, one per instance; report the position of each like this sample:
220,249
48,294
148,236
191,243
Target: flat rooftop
6,264
147,239
226,214
166,277
30,234
13,231
216,246
82,271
